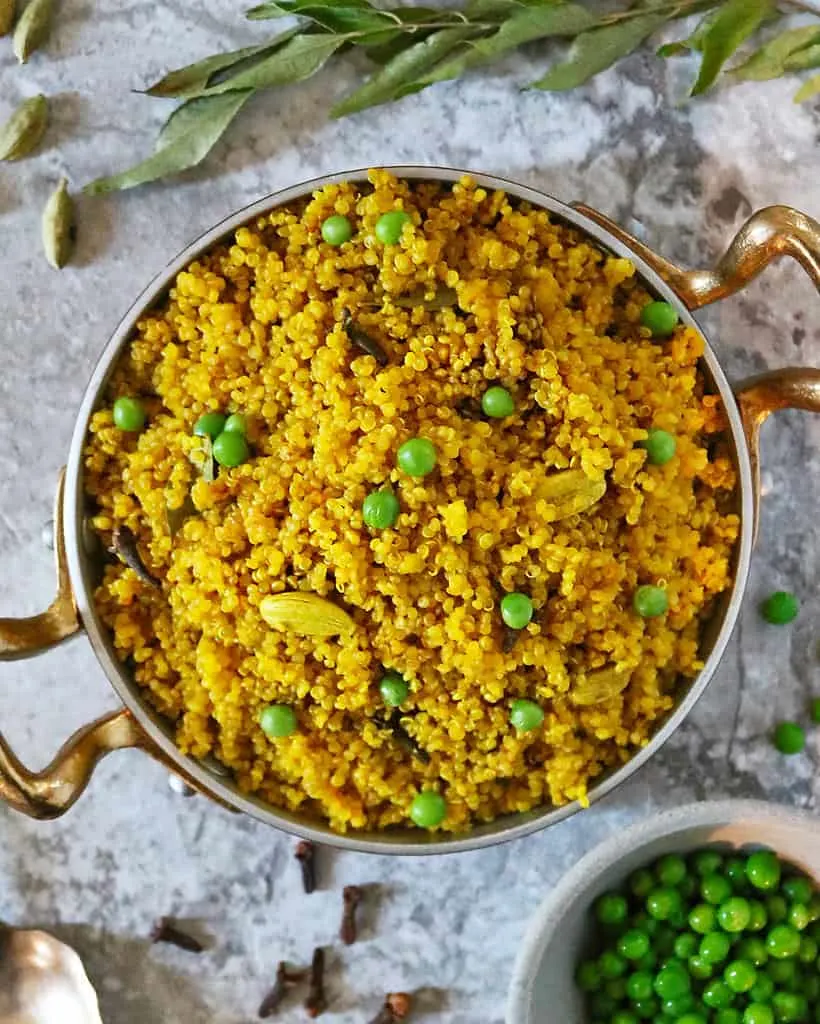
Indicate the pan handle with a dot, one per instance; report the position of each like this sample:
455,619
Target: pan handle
766,236
51,792
22,638
758,397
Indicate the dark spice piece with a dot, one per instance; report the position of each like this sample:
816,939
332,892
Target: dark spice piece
352,896
510,639
401,735
470,409
361,339
442,298
166,931
124,546
284,978
305,853
316,1002
397,1006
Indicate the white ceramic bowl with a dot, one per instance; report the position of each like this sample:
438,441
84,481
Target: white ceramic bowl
543,988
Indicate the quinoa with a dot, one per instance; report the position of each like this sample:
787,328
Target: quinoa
256,325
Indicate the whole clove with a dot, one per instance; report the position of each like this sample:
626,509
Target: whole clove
166,931
316,1002
284,979
397,1006
124,546
352,896
305,853
361,339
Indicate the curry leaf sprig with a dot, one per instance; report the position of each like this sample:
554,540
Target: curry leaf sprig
412,47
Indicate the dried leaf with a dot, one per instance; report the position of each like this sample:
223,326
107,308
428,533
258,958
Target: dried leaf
194,78
362,340
808,90
399,77
568,492
805,59
734,22
597,50
298,59
345,16
770,60
442,298
305,614
187,137
203,458
125,548
597,687
177,517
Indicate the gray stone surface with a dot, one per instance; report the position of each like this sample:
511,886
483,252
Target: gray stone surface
132,848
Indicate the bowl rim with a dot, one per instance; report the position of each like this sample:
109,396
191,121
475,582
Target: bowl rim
209,775
548,918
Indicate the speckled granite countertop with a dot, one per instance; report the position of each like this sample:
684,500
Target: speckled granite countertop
131,848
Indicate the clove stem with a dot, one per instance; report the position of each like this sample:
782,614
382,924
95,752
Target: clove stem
316,1002
305,853
165,931
352,896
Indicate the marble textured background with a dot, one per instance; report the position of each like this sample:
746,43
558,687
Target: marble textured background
131,848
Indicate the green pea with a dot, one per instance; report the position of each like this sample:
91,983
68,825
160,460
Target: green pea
633,944
394,689
715,947
526,715
210,425
789,738
616,988
700,968
717,994
728,1015
390,225
734,914
810,986
763,870
588,977
716,889
780,608
641,883
645,1008
648,962
230,449
702,918
798,889
692,1018
417,457
671,982
236,423
498,403
782,972
798,916
761,991
624,1017
686,945
758,918
611,965
758,1013
740,975
814,711
735,871
428,809
650,602
807,953
677,1007
783,942
516,610
337,230
671,870
277,721
660,446
707,862
665,941
663,903
789,1007
129,414
753,949
777,908
380,509
639,986
660,317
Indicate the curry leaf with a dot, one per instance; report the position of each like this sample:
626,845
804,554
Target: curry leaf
186,138
344,16
808,57
598,50
732,25
399,77
770,60
196,77
297,60
808,90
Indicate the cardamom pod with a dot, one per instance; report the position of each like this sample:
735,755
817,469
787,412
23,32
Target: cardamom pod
58,226
305,614
596,687
8,10
24,129
33,28
566,493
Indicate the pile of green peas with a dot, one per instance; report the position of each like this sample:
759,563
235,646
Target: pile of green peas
711,938
227,434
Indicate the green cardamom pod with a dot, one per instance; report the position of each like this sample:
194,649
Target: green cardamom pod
24,129
8,10
58,226
33,28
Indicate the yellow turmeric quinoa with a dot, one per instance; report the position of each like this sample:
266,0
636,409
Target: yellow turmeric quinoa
258,326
